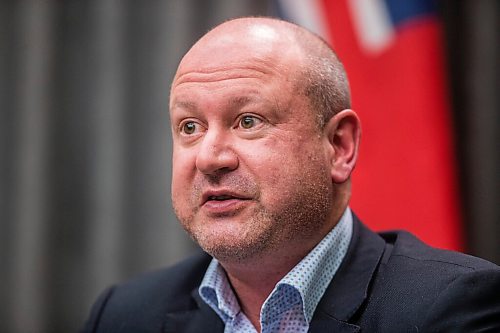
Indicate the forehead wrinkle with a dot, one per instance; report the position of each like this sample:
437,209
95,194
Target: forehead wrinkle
252,67
236,102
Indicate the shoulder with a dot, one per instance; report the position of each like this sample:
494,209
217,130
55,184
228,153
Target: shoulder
410,267
434,289
171,283
407,250
144,300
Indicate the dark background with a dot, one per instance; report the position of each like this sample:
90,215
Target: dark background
85,142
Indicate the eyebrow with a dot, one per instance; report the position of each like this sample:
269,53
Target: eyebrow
185,105
232,103
239,101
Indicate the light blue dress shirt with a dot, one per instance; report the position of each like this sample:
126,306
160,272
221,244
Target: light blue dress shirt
290,306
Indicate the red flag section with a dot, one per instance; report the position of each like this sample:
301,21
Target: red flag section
405,177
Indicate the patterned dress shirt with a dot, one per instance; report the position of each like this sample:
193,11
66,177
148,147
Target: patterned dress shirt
290,306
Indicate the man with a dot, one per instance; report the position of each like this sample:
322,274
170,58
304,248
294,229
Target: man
264,146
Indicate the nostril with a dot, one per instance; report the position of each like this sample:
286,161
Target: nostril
215,160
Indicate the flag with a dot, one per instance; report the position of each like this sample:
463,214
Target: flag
393,52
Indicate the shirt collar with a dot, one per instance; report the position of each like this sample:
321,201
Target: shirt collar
312,275
216,291
309,278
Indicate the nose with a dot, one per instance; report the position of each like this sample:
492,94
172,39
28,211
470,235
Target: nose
216,153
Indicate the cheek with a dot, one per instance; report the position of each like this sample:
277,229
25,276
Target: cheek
277,164
284,165
183,165
181,190
265,160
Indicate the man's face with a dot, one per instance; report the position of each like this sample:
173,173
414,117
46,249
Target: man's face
250,169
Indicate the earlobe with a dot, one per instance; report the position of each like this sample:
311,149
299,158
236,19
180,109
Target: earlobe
343,131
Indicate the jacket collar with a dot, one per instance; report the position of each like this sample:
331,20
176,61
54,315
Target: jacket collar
200,318
343,297
349,287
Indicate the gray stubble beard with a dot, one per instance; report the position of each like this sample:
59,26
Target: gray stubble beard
299,220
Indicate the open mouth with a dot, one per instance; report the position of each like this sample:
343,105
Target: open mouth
221,197
213,196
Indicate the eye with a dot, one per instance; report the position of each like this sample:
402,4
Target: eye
190,127
248,122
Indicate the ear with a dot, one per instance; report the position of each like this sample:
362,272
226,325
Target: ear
343,132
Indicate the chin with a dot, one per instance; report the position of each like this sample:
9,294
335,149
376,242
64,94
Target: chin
233,254
231,246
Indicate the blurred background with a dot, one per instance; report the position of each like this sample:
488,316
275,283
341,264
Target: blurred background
85,137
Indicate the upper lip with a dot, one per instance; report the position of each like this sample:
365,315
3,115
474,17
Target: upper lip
222,194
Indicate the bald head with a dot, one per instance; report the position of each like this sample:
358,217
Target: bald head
260,166
278,46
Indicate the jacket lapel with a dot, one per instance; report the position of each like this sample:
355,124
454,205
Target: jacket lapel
349,287
201,318
324,323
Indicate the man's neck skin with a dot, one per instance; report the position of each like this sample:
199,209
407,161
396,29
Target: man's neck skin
254,279
253,282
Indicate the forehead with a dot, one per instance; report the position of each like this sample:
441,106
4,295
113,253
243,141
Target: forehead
238,65
194,103
203,93
245,81
255,46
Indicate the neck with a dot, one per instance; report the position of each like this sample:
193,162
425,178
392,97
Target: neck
254,280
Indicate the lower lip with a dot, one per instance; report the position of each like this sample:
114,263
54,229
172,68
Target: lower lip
230,206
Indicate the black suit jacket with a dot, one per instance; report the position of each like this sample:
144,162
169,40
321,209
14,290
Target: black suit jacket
390,282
